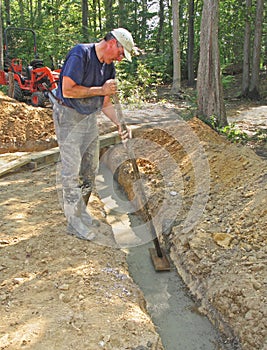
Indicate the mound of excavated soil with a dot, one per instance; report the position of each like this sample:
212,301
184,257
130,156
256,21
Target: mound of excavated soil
24,127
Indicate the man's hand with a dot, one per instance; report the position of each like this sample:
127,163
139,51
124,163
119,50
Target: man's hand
125,133
110,87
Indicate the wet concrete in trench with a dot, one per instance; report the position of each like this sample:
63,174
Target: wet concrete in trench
173,311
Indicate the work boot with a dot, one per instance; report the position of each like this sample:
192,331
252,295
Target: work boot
104,235
85,215
74,232
101,234
86,197
78,224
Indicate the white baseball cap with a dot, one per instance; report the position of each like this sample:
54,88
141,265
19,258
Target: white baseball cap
125,38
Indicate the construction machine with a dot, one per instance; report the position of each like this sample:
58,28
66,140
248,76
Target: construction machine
31,79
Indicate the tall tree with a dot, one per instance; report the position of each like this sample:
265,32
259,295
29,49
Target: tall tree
246,49
176,84
7,12
31,14
108,4
209,84
99,15
255,71
21,11
159,40
191,39
85,19
122,14
1,40
143,21
39,13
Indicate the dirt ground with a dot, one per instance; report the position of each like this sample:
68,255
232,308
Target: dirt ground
59,292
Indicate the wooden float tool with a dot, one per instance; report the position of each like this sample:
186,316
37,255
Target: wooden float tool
157,254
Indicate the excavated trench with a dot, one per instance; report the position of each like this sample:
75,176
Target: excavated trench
172,308
207,198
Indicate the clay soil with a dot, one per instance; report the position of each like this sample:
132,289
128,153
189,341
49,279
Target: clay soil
58,292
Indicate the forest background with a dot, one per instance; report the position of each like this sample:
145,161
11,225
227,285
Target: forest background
240,29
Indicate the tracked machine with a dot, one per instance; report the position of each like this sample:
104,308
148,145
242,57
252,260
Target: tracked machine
31,80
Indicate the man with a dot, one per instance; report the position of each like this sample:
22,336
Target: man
85,88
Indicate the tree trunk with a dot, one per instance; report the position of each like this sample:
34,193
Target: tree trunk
1,40
11,84
31,14
246,50
122,14
176,84
255,74
21,12
39,13
7,12
209,84
85,19
143,21
99,15
108,4
160,28
92,18
55,19
191,38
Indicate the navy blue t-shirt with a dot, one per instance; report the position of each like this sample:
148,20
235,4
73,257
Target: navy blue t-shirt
83,67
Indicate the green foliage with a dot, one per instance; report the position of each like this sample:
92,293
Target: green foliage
212,121
58,24
139,81
260,135
227,81
233,134
4,89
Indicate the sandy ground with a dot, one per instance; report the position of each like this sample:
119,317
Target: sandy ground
58,292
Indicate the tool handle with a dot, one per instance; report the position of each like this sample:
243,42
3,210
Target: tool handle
138,176
120,117
123,126
119,110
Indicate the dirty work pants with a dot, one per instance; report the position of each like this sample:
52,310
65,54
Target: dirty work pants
78,141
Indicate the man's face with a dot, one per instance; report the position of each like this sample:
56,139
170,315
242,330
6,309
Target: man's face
114,52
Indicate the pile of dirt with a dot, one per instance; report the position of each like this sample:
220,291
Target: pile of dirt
24,127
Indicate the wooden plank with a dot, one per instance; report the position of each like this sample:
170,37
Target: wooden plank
46,157
109,139
160,264
43,157
52,155
13,165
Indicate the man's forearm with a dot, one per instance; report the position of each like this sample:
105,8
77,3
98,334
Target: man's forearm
72,90
109,110
79,91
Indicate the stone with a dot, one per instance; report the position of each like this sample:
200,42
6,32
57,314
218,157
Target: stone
64,287
223,239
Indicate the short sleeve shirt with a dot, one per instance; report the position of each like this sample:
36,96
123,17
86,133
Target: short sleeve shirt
83,67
